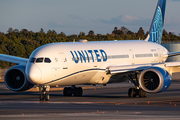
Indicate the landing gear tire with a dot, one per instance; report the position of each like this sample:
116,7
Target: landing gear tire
132,92
44,93
41,97
47,97
78,92
69,91
142,93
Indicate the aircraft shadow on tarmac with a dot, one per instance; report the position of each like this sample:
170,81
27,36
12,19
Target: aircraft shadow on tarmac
87,94
52,95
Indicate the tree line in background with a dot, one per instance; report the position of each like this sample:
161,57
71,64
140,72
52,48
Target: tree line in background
23,43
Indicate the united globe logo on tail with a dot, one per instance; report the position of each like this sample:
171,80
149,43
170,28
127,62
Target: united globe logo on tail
157,29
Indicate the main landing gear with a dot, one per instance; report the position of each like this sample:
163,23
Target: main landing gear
133,92
44,93
73,90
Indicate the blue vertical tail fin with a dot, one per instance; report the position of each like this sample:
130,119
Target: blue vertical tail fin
156,29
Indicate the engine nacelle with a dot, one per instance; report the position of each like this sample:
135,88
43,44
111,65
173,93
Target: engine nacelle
154,80
15,79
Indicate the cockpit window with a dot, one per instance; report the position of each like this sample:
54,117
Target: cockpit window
47,60
38,60
32,60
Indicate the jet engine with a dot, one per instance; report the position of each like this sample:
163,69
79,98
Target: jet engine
15,79
154,80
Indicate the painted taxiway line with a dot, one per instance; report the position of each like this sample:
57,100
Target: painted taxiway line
63,102
145,103
134,115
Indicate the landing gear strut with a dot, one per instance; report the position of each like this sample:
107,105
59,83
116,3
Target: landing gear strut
73,90
133,92
44,93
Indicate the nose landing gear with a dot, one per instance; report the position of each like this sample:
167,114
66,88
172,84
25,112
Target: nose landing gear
44,93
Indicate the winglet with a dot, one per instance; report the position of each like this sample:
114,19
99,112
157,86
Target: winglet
156,29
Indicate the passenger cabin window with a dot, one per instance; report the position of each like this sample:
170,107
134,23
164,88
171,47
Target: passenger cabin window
38,60
47,60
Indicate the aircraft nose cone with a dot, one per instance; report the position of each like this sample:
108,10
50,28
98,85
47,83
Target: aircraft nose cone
34,74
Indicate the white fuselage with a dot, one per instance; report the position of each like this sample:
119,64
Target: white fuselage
85,63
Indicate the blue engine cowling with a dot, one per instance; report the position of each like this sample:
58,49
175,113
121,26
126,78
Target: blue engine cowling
15,79
154,80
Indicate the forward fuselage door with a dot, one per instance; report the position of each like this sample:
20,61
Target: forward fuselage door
64,60
131,56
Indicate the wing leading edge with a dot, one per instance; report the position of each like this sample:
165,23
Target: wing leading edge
13,59
139,67
173,54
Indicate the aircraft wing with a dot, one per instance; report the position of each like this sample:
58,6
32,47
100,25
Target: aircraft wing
138,67
126,68
13,59
129,68
173,54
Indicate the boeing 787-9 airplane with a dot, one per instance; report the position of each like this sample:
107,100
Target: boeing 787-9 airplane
90,63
